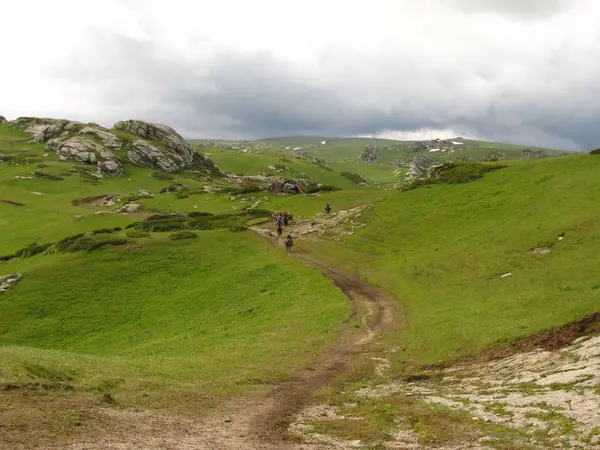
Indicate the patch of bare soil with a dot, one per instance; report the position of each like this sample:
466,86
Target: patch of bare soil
552,339
90,202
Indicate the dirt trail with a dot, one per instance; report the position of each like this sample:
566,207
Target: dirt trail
375,309
260,421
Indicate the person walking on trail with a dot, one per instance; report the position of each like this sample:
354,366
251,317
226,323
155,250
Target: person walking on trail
285,218
279,230
289,243
327,208
278,219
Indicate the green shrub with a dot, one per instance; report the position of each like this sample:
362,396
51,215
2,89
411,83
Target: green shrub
183,235
313,188
162,176
137,234
31,250
250,189
47,176
91,243
6,257
238,228
453,173
354,177
595,152
199,214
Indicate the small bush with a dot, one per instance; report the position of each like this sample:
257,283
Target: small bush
313,188
238,228
91,243
162,176
65,243
137,234
250,189
595,152
47,176
354,177
106,230
183,235
6,257
31,250
199,214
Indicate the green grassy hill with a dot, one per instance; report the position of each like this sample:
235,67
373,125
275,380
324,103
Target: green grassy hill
344,154
148,321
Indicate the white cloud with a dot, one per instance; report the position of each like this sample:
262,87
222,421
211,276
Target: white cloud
494,69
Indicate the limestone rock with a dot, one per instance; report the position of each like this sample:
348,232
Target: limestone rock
418,168
130,207
41,129
144,193
174,188
370,155
86,151
173,152
288,186
7,281
146,154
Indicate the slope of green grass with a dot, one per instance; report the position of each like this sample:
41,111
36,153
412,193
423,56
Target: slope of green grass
442,250
215,315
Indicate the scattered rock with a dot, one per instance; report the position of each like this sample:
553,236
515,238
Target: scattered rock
7,281
288,186
174,188
130,207
76,218
144,193
540,251
506,275
37,193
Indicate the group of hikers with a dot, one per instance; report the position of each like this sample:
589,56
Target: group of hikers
282,219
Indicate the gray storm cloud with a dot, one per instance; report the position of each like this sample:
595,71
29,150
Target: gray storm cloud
514,81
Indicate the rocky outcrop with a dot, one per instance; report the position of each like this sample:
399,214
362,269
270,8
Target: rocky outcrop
85,151
527,153
370,155
42,130
418,168
2,119
160,146
7,281
144,144
288,186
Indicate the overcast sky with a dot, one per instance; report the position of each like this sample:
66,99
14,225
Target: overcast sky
521,71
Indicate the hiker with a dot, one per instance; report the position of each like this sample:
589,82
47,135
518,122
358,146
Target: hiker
285,218
289,243
279,230
327,208
278,219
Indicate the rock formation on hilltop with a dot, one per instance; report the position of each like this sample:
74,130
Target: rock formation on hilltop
143,144
2,119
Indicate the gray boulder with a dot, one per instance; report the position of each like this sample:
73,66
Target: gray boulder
41,129
86,151
288,186
130,207
7,281
171,154
3,119
370,155
418,168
